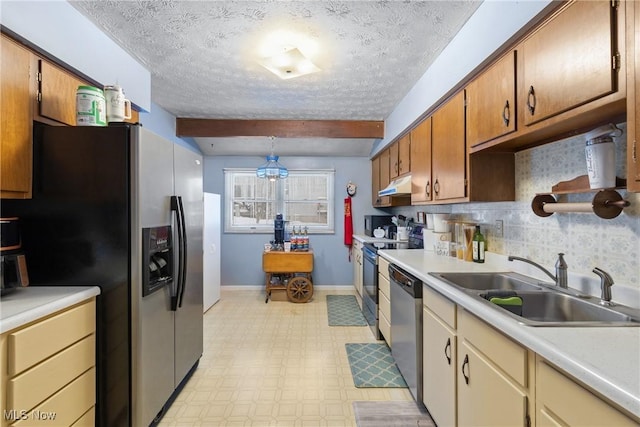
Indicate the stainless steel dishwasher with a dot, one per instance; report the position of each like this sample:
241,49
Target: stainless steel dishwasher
406,328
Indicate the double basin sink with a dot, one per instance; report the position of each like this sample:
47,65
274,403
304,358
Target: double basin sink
535,303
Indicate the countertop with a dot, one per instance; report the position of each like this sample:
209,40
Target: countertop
25,305
606,359
368,239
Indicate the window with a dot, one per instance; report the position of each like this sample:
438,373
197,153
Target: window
305,199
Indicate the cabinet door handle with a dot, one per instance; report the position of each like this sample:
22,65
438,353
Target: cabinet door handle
531,100
448,354
397,168
436,187
428,189
465,363
506,114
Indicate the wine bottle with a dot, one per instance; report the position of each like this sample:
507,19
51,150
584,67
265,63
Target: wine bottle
305,239
478,245
294,240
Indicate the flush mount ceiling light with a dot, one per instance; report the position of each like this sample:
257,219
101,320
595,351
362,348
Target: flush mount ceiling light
272,170
289,63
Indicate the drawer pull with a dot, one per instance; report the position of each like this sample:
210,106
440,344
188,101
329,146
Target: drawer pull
506,115
531,100
465,363
448,354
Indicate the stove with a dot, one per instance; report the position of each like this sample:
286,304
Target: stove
414,241
370,273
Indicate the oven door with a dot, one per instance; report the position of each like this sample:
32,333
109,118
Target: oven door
370,289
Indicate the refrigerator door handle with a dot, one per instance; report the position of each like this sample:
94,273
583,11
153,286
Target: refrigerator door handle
176,206
183,251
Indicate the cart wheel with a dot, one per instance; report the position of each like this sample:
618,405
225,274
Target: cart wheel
299,289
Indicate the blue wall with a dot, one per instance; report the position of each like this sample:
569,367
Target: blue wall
242,253
163,123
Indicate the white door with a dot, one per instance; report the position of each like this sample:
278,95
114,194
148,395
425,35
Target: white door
211,250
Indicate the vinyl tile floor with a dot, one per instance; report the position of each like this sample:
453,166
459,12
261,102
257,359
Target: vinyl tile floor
275,364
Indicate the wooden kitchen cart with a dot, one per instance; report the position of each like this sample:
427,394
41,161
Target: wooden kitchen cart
290,271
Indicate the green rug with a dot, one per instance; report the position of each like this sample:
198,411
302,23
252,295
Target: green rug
373,366
343,310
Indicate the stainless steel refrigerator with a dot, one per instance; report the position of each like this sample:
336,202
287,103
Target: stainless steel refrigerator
122,208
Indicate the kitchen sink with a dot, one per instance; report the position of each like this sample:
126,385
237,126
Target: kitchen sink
542,304
548,308
489,281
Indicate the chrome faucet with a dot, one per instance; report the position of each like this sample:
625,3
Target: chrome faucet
560,278
606,281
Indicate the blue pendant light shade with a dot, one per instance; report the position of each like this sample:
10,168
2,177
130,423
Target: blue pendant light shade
272,170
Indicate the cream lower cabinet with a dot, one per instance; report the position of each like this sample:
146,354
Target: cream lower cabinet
384,300
493,380
476,376
561,401
356,258
439,357
473,375
48,370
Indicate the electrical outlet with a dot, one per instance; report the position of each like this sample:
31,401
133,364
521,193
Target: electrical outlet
498,228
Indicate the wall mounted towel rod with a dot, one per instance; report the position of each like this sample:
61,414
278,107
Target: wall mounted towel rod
606,204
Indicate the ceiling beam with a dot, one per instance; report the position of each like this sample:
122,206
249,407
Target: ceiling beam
280,128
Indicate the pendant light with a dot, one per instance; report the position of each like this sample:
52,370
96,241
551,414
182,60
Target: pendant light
272,170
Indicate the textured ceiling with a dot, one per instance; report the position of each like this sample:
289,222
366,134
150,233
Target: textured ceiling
203,58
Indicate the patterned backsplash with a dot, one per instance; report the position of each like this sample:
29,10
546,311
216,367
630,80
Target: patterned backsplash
586,240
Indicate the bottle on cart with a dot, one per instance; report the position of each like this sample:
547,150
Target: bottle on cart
305,239
294,239
278,225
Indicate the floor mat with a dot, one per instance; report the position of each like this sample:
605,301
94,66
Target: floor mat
343,310
373,366
387,414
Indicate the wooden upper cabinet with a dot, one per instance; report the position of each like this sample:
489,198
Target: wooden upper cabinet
385,179
421,184
491,102
400,157
449,150
404,155
375,181
633,96
15,120
571,60
380,179
393,160
57,93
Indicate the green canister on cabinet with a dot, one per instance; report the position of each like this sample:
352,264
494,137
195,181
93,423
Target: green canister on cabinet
90,107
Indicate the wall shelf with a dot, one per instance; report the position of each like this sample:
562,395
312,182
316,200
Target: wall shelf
607,202
580,184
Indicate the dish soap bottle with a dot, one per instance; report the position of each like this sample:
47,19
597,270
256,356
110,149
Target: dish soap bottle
478,245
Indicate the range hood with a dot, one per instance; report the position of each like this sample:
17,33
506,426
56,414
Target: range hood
397,187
